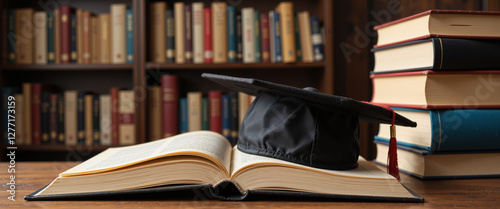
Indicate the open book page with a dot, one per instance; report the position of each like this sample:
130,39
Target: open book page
199,143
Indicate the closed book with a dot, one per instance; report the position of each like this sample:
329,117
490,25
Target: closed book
248,35
24,31
180,34
53,118
79,36
438,54
61,109
11,36
170,31
19,123
198,32
86,39
256,36
194,110
278,53
298,45
183,115
80,119
50,38
88,118
154,113
70,117
127,119
215,106
45,118
65,32
118,32
205,115
170,96
231,34
272,46
305,37
96,126
235,127
105,36
96,40
157,31
447,130
73,55
57,36
226,116
239,39
285,9
8,117
130,35
105,120
219,31
26,88
317,39
36,115
264,35
243,105
188,32
115,116
207,35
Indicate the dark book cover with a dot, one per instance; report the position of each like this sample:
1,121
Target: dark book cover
264,34
115,135
231,34
215,98
298,45
80,118
5,114
73,42
317,39
66,13
226,116
234,116
130,36
239,39
278,54
11,36
170,108
256,36
50,38
207,30
60,119
96,120
205,116
188,23
45,117
183,115
170,31
53,118
36,111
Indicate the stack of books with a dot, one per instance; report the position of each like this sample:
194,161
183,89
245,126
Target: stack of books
440,68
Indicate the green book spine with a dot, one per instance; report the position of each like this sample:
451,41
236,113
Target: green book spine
297,37
205,124
256,29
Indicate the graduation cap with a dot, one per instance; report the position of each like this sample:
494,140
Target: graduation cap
305,126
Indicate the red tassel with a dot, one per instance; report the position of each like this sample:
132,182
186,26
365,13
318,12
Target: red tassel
392,156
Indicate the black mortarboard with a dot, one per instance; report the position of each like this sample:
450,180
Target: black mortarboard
302,125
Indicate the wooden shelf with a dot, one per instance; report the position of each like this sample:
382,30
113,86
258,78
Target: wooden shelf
66,67
234,66
59,148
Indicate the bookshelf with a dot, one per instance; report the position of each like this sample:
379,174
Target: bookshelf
139,75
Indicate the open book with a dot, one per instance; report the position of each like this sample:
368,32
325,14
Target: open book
207,158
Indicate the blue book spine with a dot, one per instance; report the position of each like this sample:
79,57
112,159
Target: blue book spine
73,54
50,38
11,36
239,39
183,116
6,115
80,118
278,54
205,121
231,34
317,39
130,36
226,116
256,36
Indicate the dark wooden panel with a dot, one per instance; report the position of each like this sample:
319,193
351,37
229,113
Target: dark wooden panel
492,5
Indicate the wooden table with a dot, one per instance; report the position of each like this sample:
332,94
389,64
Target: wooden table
469,193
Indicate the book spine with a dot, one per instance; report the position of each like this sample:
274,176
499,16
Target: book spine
105,30
19,123
305,37
86,41
5,113
96,38
11,36
50,38
65,24
465,54
248,35
264,34
73,40
170,91
45,118
278,53
70,117
53,119
88,118
170,31
24,29
57,36
239,39
26,87
79,36
256,36
215,111
207,34
188,42
157,31
272,37
198,33
115,103
226,117
285,9
155,113
234,116
105,122
127,122
317,39
297,36
61,138
130,36
183,115
118,33
80,118
180,34
231,34
194,111
96,135
219,31
205,115
36,94
244,104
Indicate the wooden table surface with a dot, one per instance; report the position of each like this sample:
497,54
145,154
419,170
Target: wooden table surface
468,193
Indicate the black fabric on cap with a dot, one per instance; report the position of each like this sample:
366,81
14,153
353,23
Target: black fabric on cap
303,126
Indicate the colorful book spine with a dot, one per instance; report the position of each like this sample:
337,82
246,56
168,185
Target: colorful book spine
65,23
96,123
183,115
188,41
130,36
248,35
271,37
115,116
226,116
61,138
50,38
278,54
73,42
256,36
53,118
239,39
198,33
297,37
45,117
170,31
205,116
80,118
127,119
6,114
264,34
234,116
70,117
317,39
11,36
170,101
285,9
219,31
215,98
207,34
231,34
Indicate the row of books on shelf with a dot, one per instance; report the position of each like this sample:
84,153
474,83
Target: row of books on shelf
193,33
42,116
449,86
170,113
68,35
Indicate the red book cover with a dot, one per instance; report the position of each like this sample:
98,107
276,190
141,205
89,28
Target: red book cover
65,19
214,106
115,115
264,35
53,119
207,29
170,104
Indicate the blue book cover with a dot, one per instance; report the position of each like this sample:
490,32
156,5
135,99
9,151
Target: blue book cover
231,34
73,54
11,36
130,36
448,130
256,36
80,118
278,54
183,116
317,39
8,117
205,120
226,116
50,38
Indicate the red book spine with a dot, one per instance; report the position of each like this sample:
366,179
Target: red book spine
115,115
65,19
170,104
53,119
264,35
207,29
36,125
215,109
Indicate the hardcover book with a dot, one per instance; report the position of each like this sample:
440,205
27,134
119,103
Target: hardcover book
40,38
219,32
24,50
226,117
115,116
170,33
157,32
65,34
194,111
127,120
180,34
215,106
50,38
256,36
45,118
105,31
86,39
170,107
317,39
183,115
130,36
27,94
231,34
105,125
118,32
188,32
207,35
285,9
155,113
70,117
198,33
248,34
305,37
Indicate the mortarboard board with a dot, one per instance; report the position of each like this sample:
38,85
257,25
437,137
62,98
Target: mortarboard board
304,126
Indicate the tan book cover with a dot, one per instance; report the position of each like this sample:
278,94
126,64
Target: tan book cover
198,33
79,36
287,31
179,32
87,31
24,32
27,113
105,118
154,112
157,34
105,34
219,31
40,33
126,110
57,37
244,104
247,22
88,118
194,111
70,117
95,39
305,37
19,114
118,40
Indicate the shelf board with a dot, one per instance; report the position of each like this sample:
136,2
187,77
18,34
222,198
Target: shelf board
233,66
66,67
59,147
